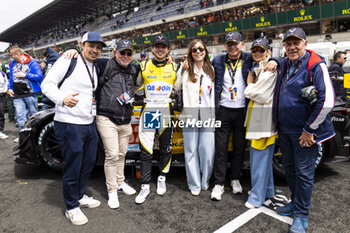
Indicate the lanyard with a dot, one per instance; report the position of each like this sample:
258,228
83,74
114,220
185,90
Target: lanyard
296,69
90,75
231,71
200,89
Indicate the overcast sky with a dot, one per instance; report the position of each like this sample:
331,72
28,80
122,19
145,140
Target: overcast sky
13,11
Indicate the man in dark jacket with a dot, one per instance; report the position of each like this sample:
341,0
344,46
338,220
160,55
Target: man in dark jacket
339,60
301,125
336,69
231,72
114,109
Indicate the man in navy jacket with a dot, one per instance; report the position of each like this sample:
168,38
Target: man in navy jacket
301,125
231,72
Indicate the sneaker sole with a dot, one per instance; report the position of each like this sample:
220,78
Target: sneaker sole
76,223
113,207
90,206
161,194
129,194
215,199
285,214
237,193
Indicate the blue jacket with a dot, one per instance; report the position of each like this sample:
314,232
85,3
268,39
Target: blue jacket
219,66
35,75
291,112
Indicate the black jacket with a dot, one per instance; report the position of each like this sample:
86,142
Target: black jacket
114,81
336,67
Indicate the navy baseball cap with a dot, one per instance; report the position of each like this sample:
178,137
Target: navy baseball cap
93,37
233,36
160,39
143,54
261,42
296,33
124,44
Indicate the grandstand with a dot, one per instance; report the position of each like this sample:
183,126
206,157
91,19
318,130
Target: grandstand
61,23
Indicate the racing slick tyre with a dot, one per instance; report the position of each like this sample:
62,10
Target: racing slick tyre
48,147
277,159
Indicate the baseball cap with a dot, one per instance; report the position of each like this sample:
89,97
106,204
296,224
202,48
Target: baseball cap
143,54
160,39
93,37
233,36
295,32
124,44
261,42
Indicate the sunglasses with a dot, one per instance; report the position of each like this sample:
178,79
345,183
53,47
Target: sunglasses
194,50
258,49
127,53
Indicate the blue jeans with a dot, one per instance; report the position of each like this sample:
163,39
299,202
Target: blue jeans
78,145
23,106
261,175
199,145
299,165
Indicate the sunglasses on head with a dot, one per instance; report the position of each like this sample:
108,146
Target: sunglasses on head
123,52
194,50
258,49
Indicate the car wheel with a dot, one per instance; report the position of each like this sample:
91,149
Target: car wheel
277,159
48,146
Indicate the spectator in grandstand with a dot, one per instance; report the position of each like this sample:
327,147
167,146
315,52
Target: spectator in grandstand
260,128
231,72
158,76
299,120
74,123
24,83
197,84
3,91
336,69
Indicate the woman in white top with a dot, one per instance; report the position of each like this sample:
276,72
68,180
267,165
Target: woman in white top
197,83
260,128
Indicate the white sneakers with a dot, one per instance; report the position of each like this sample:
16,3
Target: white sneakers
249,206
161,186
195,193
76,216
89,202
126,189
144,192
216,193
236,187
113,201
16,140
3,136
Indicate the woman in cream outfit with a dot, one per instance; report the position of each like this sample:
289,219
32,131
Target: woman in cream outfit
260,128
197,83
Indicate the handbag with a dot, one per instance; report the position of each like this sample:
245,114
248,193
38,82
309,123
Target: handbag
178,102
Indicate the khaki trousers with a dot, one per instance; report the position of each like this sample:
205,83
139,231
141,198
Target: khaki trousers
115,139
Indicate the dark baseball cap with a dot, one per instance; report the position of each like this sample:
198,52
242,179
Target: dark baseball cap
143,54
261,42
93,37
160,39
295,32
233,36
124,44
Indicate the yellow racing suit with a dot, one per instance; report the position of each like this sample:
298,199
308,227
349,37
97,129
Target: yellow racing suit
158,79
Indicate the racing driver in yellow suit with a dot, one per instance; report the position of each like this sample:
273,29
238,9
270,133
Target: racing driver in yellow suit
158,76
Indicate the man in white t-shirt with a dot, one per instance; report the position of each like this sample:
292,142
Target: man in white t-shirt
231,72
74,123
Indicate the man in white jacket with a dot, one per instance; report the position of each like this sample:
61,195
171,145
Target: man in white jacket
74,123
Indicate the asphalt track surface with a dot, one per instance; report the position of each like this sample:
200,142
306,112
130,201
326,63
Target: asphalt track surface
31,201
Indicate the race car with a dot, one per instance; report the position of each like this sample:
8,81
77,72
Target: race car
38,144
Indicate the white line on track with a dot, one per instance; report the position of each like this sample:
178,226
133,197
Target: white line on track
250,214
